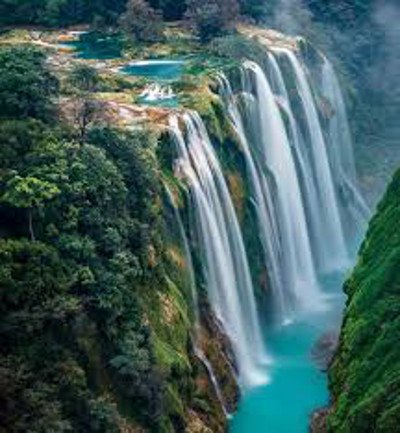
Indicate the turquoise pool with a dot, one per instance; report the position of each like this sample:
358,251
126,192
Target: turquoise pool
297,387
92,46
156,69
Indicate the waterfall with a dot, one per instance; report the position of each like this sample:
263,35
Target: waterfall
303,164
341,151
156,92
332,255
302,180
226,268
297,270
210,371
195,303
189,262
267,225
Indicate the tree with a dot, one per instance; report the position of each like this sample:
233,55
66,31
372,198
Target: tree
212,17
26,84
86,109
255,9
172,10
85,78
87,112
29,193
59,12
142,22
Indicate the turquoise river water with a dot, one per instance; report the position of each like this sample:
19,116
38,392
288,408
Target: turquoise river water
296,386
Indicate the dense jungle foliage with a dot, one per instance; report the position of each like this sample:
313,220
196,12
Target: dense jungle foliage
69,298
66,12
58,13
94,330
364,377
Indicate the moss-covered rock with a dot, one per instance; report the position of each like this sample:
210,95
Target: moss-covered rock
217,349
365,374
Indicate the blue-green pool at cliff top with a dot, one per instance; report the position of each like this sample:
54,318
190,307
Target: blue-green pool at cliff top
162,69
296,386
92,47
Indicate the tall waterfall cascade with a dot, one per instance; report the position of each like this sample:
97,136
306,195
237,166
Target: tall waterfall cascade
229,284
331,251
302,179
195,302
341,154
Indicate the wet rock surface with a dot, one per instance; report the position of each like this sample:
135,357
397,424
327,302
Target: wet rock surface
324,349
217,348
318,420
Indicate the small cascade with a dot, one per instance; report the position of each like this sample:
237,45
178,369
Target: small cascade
331,249
210,371
226,268
155,92
189,263
195,303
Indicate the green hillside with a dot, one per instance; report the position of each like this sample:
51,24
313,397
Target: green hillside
364,377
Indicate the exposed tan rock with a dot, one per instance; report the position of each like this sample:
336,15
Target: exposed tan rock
126,427
195,424
168,308
324,349
217,349
318,421
268,37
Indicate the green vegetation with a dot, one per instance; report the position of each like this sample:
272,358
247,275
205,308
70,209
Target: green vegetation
84,78
25,84
364,377
69,299
142,22
211,18
94,308
141,18
172,9
67,12
55,13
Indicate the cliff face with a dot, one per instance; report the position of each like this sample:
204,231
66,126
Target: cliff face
364,376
